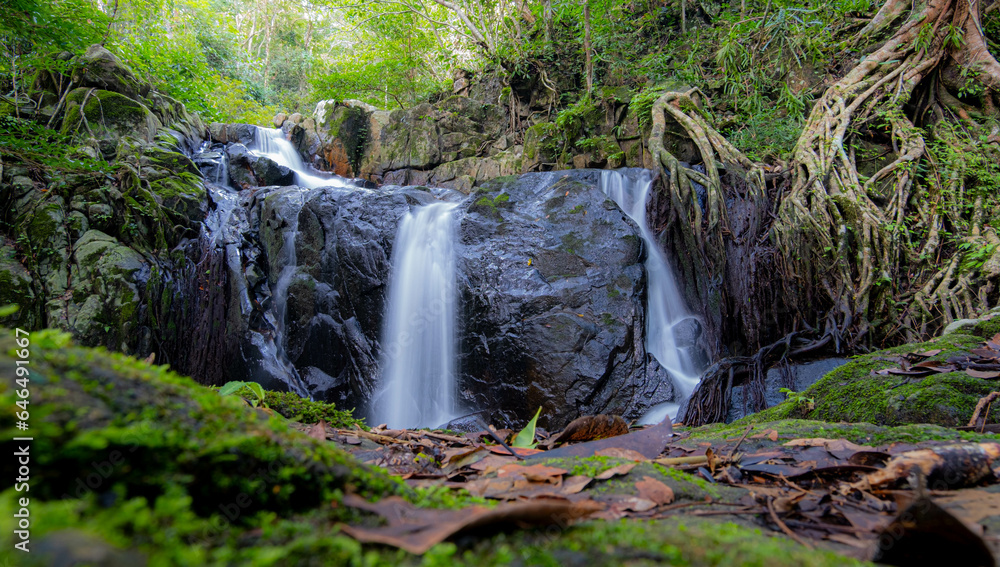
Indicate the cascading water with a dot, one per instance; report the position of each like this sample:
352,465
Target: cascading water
418,381
665,309
271,143
279,296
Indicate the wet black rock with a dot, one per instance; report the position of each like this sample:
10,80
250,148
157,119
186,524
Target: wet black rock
553,300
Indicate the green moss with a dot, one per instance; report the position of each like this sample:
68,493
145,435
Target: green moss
144,457
300,409
667,542
861,433
683,477
987,328
855,393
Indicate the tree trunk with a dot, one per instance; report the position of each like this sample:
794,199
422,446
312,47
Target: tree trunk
547,15
588,58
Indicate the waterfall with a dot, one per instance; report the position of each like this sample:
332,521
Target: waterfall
275,349
418,380
271,143
666,313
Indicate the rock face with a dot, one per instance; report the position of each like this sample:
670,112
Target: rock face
93,250
456,143
553,303
551,289
170,243
336,297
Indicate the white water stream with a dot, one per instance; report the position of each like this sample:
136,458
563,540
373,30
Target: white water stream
665,309
418,380
271,143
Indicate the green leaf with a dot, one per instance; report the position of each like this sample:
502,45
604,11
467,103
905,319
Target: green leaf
526,438
231,388
257,390
8,310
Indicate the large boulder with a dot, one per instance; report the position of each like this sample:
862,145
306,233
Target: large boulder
249,170
100,69
425,136
343,133
551,288
553,303
107,116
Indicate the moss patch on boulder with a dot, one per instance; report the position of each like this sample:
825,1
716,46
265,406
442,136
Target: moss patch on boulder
856,393
141,456
107,116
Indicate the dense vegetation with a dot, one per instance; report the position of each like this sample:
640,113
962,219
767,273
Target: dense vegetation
863,135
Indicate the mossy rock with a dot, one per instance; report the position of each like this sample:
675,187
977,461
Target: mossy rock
16,289
346,128
855,393
147,458
542,143
107,116
860,433
106,295
173,114
99,68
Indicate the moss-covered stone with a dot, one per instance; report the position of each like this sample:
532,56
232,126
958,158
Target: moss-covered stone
107,116
16,288
106,295
856,393
294,407
149,459
99,68
860,433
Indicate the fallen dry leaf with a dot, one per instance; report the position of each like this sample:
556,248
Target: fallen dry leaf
590,428
621,454
418,529
984,374
652,489
616,471
574,484
465,458
318,431
492,463
648,442
533,473
840,448
521,452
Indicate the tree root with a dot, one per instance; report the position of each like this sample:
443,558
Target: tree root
866,260
710,401
848,238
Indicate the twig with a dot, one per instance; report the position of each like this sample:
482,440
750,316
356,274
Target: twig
505,446
700,460
788,531
983,402
732,451
382,439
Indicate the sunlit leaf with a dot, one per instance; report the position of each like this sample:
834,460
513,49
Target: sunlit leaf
526,438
